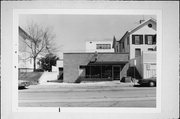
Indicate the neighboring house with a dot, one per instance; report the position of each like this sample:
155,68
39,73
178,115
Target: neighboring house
140,44
99,46
25,60
141,38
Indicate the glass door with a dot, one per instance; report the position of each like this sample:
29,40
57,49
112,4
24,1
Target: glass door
116,72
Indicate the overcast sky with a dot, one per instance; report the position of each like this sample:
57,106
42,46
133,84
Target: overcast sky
72,31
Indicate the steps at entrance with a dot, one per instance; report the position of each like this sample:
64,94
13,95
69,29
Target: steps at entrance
128,71
133,72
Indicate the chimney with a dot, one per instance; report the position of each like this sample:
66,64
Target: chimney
141,21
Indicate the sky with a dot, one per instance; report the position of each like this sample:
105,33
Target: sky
72,31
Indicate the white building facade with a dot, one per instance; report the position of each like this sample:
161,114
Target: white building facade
140,39
147,35
25,59
99,46
140,44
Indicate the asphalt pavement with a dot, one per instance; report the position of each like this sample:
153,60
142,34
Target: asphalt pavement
100,94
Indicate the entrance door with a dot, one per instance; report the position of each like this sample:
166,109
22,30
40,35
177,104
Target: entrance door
137,52
116,72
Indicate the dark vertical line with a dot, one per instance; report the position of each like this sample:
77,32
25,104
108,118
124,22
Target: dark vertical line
101,69
112,73
90,72
59,109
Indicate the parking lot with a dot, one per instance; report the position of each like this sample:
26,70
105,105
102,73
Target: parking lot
99,94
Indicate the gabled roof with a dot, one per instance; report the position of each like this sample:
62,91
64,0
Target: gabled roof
114,42
125,35
137,28
23,34
141,25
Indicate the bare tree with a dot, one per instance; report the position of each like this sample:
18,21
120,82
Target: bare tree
40,41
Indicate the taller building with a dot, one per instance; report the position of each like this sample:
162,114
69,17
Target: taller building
140,44
138,40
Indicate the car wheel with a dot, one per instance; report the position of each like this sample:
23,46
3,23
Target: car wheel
151,84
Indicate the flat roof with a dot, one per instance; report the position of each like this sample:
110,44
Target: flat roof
100,57
93,53
108,63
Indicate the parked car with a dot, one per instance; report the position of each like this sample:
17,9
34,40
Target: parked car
148,82
23,83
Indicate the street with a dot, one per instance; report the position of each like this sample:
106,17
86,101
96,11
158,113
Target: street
110,94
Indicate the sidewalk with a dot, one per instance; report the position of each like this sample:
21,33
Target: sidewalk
85,84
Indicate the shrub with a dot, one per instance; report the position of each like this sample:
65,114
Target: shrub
39,70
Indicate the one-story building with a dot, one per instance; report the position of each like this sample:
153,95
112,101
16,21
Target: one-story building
93,66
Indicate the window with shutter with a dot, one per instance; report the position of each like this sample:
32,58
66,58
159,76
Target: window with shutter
141,39
137,39
150,39
154,39
133,39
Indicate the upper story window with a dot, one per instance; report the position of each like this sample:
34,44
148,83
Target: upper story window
137,39
103,46
150,39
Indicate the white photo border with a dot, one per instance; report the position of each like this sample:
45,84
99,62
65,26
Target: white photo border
17,12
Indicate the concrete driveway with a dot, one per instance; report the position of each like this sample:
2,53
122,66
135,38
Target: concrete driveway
99,94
